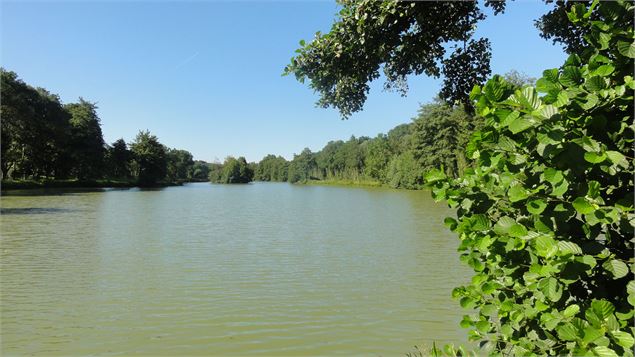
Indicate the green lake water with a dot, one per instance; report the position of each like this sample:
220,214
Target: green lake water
257,269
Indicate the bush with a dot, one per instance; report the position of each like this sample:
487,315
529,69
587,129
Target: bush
546,216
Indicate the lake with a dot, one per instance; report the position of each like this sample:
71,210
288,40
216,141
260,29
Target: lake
257,269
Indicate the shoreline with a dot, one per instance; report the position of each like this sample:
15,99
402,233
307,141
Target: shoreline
76,184
365,183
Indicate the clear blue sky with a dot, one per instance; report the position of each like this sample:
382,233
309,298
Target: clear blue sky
205,76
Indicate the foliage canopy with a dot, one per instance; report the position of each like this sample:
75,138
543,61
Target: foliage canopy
545,215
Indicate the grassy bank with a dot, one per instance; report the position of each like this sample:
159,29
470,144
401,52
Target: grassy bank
343,182
74,183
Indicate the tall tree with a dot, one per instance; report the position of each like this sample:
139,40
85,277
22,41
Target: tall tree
440,134
150,163
119,158
86,139
180,164
200,170
301,167
34,124
232,171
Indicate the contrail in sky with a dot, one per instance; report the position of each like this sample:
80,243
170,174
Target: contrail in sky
187,60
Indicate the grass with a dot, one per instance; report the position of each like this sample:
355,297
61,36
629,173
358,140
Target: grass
345,182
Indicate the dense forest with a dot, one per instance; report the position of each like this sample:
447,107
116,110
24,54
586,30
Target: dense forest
436,137
46,140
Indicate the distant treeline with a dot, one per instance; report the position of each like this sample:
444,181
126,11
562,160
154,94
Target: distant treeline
43,139
436,137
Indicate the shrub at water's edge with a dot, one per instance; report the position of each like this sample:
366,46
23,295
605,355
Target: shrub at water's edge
546,216
232,171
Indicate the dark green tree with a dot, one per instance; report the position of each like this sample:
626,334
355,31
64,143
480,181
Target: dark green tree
150,162
119,159
271,168
302,166
440,134
377,158
404,172
86,144
34,129
200,170
403,38
232,171
179,166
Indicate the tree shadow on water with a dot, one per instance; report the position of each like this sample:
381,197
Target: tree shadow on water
34,210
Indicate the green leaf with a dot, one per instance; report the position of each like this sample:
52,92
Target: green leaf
604,40
544,85
483,326
504,224
547,111
494,90
571,76
630,287
582,206
602,308
593,189
529,98
587,260
553,176
506,144
536,206
573,60
617,158
626,48
616,267
571,310
508,226
560,189
546,246
568,332
596,83
451,223
521,124
480,222
591,334
587,144
466,302
623,339
466,322
551,288
566,248
594,158
561,100
517,193
518,230
509,118
591,101
604,70
551,74
602,351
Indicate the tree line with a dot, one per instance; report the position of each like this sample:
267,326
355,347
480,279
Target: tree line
436,137
44,139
